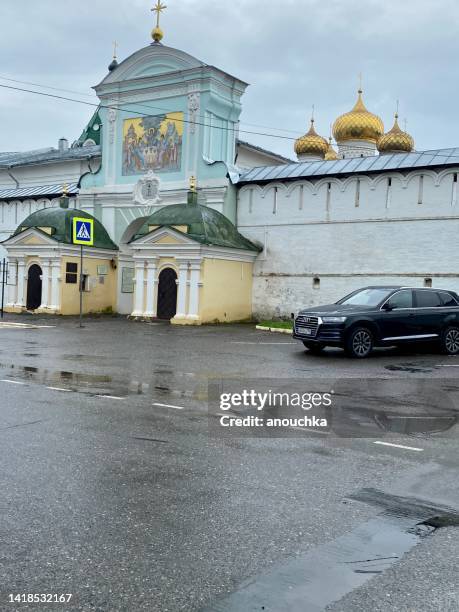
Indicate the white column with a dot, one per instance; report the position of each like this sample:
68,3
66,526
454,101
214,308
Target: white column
46,265
12,284
139,289
21,283
55,279
181,294
193,310
151,309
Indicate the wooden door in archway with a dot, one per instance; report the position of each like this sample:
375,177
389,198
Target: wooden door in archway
167,294
34,287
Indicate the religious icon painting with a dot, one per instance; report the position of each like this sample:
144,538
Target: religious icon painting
152,143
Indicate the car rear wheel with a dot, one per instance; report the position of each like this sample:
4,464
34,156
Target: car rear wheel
450,340
359,343
313,347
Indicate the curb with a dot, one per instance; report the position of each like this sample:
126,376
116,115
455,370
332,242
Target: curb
276,330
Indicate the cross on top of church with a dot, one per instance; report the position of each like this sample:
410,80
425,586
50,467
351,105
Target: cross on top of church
158,9
157,34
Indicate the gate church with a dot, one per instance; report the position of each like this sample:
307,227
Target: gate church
194,225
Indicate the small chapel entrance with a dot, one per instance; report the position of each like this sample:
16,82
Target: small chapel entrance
34,287
167,294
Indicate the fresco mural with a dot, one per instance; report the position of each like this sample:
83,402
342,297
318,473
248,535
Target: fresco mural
152,143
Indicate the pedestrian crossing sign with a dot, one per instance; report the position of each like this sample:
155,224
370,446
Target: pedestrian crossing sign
83,231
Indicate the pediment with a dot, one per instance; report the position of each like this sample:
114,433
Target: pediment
30,237
151,61
164,236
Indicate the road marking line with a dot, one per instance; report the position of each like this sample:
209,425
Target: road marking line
448,365
168,406
59,389
12,382
264,343
113,397
25,326
412,448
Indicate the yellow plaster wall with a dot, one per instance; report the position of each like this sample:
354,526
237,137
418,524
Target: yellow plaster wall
168,240
226,294
167,262
99,298
35,240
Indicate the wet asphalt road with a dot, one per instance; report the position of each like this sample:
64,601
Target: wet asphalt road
114,491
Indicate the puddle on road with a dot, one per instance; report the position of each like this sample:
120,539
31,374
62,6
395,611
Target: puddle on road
415,424
86,358
163,383
327,573
411,368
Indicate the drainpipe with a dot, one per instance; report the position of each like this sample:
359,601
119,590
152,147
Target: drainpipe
8,171
90,171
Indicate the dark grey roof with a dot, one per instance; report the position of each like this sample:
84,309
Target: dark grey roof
262,150
357,165
37,191
43,156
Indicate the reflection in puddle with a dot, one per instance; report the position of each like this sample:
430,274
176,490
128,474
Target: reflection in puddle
86,358
414,424
411,368
164,382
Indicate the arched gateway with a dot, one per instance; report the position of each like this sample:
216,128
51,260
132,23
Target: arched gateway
34,287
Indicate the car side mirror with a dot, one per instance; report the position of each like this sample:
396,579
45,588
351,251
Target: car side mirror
387,307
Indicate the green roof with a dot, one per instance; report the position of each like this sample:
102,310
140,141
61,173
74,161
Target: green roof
204,225
60,220
91,131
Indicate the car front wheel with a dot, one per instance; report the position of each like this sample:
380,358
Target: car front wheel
450,341
359,343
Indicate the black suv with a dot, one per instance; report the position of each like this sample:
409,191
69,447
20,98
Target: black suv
382,316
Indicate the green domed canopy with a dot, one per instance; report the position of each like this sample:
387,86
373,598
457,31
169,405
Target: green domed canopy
204,225
60,223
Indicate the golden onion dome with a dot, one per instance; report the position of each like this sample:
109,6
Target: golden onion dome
311,144
396,140
359,124
331,154
157,34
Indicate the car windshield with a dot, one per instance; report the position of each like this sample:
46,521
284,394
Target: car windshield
366,297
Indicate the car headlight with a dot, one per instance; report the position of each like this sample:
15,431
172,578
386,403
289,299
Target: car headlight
334,319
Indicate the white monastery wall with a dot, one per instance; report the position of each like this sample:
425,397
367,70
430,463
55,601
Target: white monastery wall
44,174
12,212
251,158
323,240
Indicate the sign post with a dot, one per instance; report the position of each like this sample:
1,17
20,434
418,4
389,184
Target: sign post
83,234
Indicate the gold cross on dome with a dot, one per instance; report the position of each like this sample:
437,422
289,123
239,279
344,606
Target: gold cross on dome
158,9
115,49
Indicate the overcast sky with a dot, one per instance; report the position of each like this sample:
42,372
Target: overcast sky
294,53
